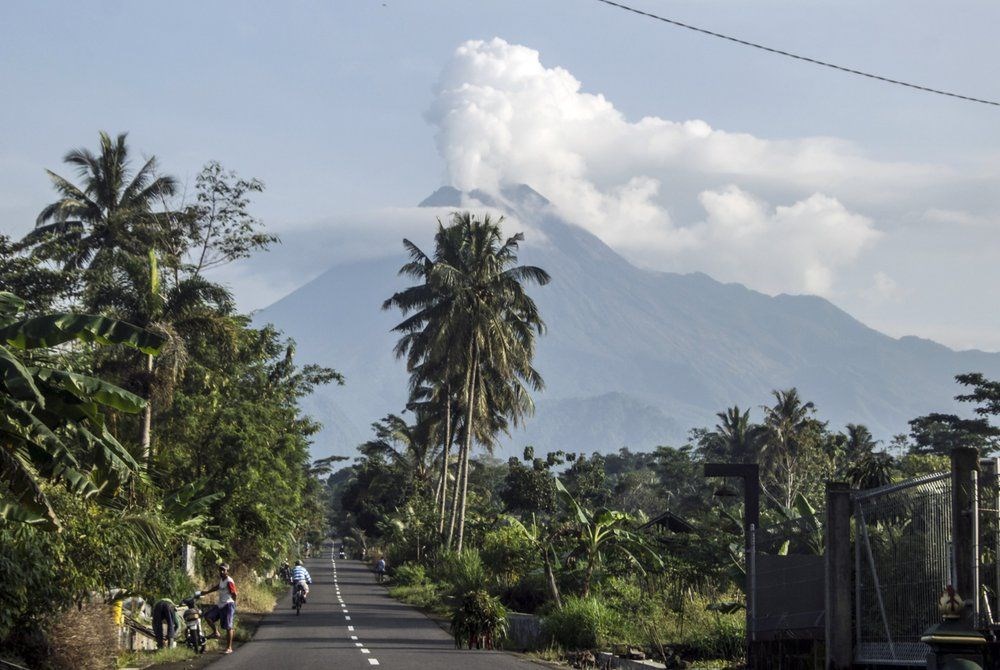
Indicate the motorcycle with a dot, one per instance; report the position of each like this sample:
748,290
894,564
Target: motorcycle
342,554
194,638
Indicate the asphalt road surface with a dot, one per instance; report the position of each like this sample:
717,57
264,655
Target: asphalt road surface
349,623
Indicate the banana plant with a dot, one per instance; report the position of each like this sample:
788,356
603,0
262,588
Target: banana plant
52,418
604,532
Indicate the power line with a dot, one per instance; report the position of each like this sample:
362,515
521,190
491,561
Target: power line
797,56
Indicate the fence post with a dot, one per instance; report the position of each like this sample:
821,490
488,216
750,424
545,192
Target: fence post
964,475
837,557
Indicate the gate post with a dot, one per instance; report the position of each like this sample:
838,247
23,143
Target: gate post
964,522
837,557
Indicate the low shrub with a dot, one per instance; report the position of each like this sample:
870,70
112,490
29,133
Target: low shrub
410,574
425,596
463,572
582,623
480,621
528,594
722,636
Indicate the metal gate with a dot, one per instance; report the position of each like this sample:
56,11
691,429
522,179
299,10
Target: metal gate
902,563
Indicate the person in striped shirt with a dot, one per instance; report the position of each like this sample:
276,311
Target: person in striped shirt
300,574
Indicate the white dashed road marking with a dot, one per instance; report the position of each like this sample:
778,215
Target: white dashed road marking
373,661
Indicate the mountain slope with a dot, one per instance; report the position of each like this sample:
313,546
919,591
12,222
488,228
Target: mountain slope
632,357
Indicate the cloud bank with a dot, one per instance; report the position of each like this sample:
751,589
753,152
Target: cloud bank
767,213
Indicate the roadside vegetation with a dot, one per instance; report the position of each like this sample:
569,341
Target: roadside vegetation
142,411
636,553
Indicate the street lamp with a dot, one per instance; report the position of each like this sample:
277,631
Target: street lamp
750,474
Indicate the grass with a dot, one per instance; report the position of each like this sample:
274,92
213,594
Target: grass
141,659
424,596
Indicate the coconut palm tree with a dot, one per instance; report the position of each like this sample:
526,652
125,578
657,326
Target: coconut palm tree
405,445
785,424
174,310
472,317
110,209
735,438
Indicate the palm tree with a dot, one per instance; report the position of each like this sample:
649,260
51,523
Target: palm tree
735,438
859,441
471,320
785,423
189,305
405,445
111,209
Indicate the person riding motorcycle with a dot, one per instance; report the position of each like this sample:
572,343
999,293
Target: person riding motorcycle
300,576
285,571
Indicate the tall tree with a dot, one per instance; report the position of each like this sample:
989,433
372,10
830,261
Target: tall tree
175,309
473,312
110,210
735,438
789,448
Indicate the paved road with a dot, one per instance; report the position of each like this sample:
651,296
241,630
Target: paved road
350,622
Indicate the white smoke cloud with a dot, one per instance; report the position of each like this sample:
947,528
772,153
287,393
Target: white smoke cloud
502,117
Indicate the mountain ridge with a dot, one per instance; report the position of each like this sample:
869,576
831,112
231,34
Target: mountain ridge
632,357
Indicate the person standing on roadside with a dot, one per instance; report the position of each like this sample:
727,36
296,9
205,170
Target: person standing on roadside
225,611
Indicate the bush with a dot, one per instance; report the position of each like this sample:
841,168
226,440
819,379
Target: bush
425,596
479,621
721,637
582,623
509,555
528,595
410,574
463,572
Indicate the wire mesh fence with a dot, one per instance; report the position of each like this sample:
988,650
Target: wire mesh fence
988,503
902,563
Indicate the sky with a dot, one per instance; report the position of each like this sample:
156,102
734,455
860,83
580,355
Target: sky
683,152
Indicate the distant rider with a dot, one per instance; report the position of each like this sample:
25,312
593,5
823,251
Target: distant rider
301,576
380,569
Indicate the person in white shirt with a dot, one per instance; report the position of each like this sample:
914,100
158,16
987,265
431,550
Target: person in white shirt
225,611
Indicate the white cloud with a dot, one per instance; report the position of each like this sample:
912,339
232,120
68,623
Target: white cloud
503,117
958,217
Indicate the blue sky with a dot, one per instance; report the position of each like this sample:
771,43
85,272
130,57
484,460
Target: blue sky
347,111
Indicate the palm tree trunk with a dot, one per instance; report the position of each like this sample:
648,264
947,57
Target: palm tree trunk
453,516
146,438
445,458
461,462
468,447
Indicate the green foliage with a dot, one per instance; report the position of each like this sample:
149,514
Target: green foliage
528,490
462,572
509,554
410,574
479,621
425,596
53,424
582,623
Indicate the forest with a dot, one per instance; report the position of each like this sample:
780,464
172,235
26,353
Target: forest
142,411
